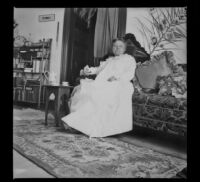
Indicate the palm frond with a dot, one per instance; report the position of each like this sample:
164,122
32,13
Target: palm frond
172,13
165,42
175,13
159,21
165,17
166,49
180,32
172,42
178,12
144,26
169,15
156,25
147,40
152,26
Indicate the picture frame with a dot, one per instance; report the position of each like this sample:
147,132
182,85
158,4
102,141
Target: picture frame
46,18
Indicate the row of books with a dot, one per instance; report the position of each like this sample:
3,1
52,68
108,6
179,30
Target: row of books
29,94
29,55
36,67
33,66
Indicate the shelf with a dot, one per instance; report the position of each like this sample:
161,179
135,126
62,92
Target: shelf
32,72
34,59
19,87
33,85
39,58
19,71
28,101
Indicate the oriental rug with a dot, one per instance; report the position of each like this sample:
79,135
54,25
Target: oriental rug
73,155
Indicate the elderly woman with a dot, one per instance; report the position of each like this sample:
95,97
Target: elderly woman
103,107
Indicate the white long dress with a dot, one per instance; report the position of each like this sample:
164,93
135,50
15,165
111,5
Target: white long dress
101,108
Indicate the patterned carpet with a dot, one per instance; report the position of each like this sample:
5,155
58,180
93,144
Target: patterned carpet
73,155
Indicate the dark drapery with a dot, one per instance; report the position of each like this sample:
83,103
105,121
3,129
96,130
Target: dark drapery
110,24
121,30
66,43
77,45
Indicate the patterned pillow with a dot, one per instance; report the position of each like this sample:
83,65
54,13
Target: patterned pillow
148,72
173,85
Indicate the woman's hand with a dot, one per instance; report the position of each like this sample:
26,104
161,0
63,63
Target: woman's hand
112,78
86,70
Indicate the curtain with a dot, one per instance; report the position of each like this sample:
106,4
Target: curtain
66,43
110,23
122,22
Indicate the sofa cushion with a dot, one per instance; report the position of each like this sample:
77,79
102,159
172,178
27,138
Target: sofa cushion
148,72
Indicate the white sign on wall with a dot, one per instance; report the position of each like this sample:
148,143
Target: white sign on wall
45,18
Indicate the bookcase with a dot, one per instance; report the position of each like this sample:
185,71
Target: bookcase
31,65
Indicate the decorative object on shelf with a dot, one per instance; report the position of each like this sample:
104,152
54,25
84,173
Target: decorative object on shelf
166,28
65,83
52,78
19,40
15,24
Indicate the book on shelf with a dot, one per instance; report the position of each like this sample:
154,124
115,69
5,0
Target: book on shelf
18,94
28,69
36,66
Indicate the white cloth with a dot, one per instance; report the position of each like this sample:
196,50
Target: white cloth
101,108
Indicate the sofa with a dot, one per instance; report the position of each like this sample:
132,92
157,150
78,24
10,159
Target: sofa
160,97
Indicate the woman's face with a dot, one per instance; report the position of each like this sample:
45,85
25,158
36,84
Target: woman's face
118,48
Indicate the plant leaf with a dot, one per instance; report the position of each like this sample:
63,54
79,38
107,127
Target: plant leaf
178,12
175,13
147,40
158,16
169,15
172,13
145,27
152,26
179,35
156,25
160,49
180,32
172,42
165,17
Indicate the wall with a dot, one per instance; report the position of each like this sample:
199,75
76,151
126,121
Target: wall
29,26
133,26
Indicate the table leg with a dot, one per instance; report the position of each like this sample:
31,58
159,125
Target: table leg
46,107
57,108
62,96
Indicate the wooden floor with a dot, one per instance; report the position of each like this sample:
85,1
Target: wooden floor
23,168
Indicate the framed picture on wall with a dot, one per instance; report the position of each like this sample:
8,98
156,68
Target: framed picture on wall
45,18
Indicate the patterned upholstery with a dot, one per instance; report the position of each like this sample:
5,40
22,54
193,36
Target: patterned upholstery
163,113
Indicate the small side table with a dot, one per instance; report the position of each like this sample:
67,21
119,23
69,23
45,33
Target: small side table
59,91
